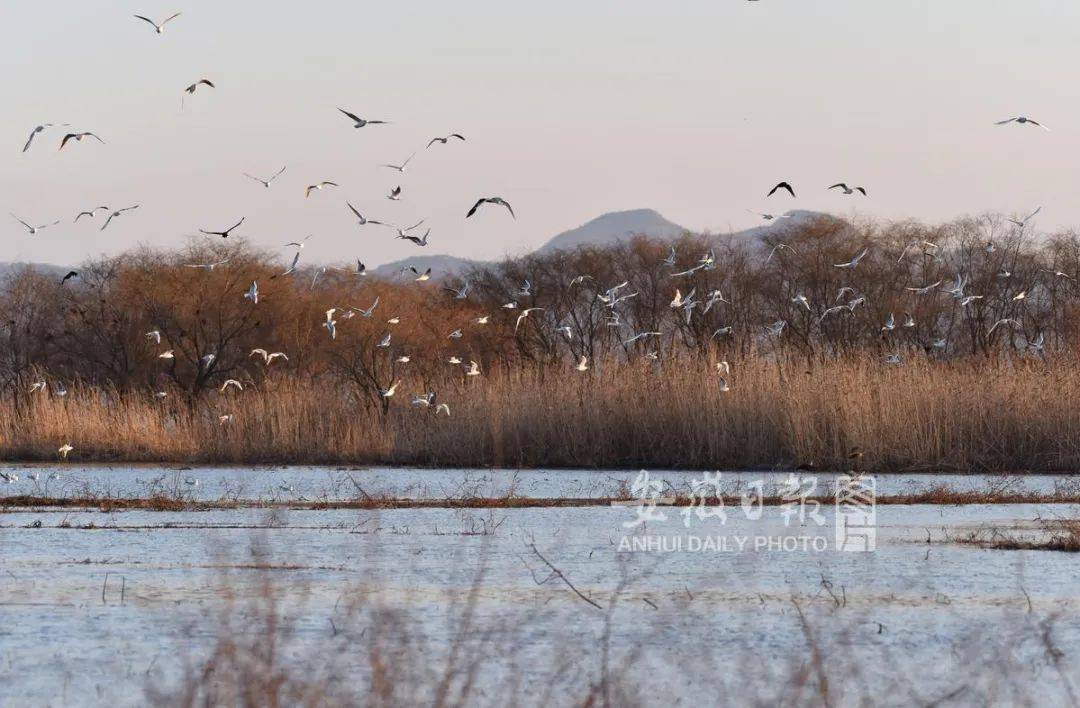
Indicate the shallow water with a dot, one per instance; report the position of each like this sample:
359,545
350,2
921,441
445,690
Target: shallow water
912,610
336,483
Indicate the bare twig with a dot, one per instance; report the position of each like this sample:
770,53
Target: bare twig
555,572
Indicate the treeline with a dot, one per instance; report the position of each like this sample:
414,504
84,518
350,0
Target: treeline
1019,297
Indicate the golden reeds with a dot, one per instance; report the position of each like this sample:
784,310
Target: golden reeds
924,415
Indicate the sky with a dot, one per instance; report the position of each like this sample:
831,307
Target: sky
694,108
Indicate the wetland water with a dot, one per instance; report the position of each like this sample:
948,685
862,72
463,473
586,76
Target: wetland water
922,605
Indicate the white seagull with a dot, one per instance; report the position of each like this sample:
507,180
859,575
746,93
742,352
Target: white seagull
359,122
401,168
159,28
524,314
854,262
117,213
265,182
34,229
1021,120
491,200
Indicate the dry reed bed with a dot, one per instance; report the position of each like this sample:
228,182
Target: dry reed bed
967,416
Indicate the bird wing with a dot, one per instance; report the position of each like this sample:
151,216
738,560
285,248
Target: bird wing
30,140
354,211
67,137
254,178
168,19
108,220
236,224
355,117
841,185
433,141
499,200
277,174
471,211
147,19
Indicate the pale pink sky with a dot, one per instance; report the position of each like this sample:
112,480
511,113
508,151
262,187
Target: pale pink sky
571,109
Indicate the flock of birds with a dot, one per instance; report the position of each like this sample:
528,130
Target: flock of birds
610,297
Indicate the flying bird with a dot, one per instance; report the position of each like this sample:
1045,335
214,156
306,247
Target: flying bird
77,137
401,168
37,129
92,213
297,244
226,232
446,139
318,187
117,213
363,220
418,240
368,312
1021,120
395,194
207,266
524,314
768,217
253,293
847,189
69,275
201,82
778,247
361,122
265,182
782,185
854,262
925,289
159,28
459,293
1005,321
491,200
1023,222
292,266
231,382
34,229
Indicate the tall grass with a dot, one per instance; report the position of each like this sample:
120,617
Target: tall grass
924,415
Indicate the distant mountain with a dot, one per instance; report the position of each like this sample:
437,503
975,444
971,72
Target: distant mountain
601,231
9,268
612,228
440,264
